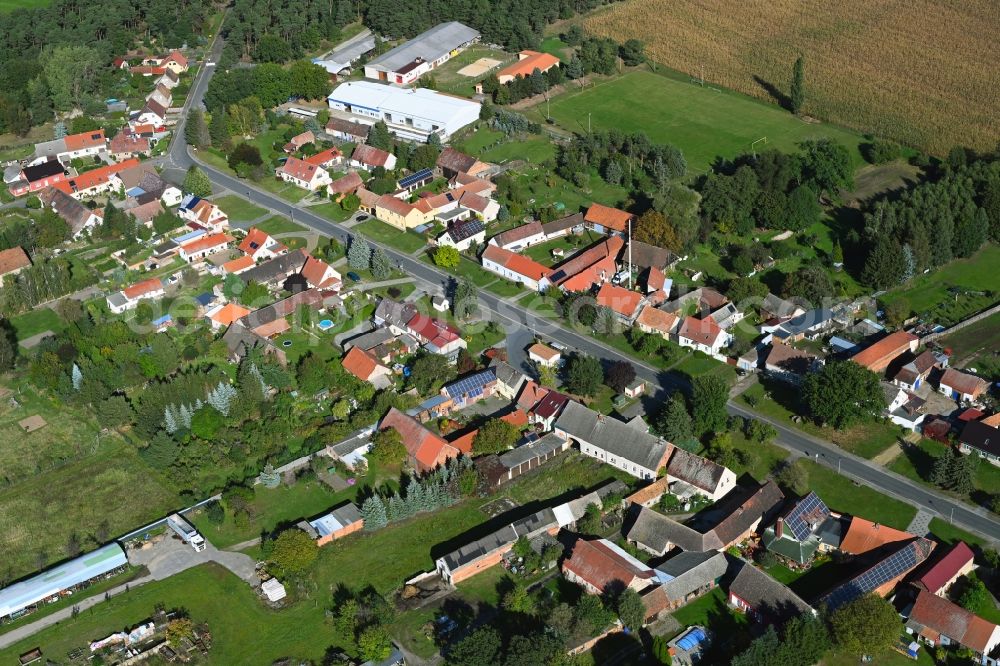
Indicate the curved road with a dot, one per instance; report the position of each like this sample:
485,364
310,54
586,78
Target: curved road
511,314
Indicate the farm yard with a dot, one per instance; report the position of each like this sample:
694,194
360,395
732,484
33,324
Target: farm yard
864,67
703,122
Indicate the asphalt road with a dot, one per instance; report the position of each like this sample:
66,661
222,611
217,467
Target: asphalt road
512,315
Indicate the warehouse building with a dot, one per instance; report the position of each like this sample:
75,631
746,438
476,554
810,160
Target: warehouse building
428,50
412,114
23,596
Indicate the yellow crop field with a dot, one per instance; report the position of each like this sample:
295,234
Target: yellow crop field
925,72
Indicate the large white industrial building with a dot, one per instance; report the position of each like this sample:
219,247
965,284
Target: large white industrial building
410,113
428,50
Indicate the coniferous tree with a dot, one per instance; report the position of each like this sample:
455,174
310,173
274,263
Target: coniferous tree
219,129
797,95
359,253
381,265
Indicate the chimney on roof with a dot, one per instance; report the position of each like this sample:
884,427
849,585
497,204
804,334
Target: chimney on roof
779,528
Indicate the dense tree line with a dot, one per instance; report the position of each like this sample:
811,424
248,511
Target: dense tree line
514,25
59,56
621,159
941,219
280,31
270,84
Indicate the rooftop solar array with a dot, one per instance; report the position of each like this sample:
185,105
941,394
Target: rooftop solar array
806,516
895,565
471,385
459,231
413,178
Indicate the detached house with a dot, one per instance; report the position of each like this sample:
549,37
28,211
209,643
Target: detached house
426,450
303,174
203,214
623,302
296,142
203,246
912,375
77,216
398,213
689,474
347,184
366,367
704,335
515,267
520,237
627,446
175,62
129,297
259,245
347,130
452,163
982,439
463,234
790,364
937,621
607,220
37,177
656,321
370,157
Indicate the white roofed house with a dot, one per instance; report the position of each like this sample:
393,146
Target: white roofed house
627,446
303,174
411,114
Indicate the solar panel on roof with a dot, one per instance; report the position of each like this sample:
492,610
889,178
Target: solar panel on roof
423,174
470,385
895,565
798,518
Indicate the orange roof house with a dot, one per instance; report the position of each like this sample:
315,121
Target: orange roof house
654,320
598,564
700,332
864,536
227,314
140,289
320,274
259,244
13,260
878,356
592,266
599,215
85,140
933,617
201,247
363,365
623,302
426,450
239,264
324,158
514,263
531,395
527,63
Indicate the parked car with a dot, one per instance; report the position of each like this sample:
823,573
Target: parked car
354,277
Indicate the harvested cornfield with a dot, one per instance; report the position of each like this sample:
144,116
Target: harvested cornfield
924,72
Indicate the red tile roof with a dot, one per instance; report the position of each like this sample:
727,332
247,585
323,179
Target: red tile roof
623,301
702,331
13,259
176,56
142,288
206,243
953,621
602,255
543,351
315,272
346,184
360,363
255,240
963,383
531,394
324,157
608,217
426,448
370,155
550,405
878,356
600,565
656,319
101,175
863,536
947,568
128,143
434,331
394,205
300,169
83,140
528,63
229,313
239,264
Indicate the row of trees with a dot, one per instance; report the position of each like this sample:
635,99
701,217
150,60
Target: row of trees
441,488
628,159
270,83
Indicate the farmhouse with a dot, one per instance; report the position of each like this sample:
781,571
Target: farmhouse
347,184
881,577
864,536
303,174
623,302
463,234
425,449
880,355
788,363
347,130
606,220
410,113
937,621
77,216
369,157
628,446
962,387
37,177
912,375
763,598
593,266
204,246
428,50
452,163
806,527
548,409
520,237
954,564
743,512
514,267
73,146
598,564
656,321
658,534
690,474
683,578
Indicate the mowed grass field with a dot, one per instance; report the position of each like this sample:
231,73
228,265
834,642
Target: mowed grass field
702,122
917,71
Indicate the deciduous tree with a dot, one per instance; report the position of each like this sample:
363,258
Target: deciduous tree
294,552
842,394
584,375
868,625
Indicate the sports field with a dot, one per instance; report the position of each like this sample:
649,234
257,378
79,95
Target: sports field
703,122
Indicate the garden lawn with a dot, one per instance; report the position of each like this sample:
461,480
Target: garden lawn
948,533
494,146
703,122
37,321
331,211
280,225
286,504
244,631
917,462
387,234
929,297
466,268
841,494
865,439
239,209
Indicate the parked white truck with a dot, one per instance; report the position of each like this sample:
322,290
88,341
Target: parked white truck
186,531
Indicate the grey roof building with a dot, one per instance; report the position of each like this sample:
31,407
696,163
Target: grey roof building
654,532
429,46
276,269
701,474
627,446
761,596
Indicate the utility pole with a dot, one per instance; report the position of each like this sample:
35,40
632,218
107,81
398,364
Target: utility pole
630,252
588,122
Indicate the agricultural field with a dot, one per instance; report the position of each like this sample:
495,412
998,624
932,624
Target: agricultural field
865,67
703,122
978,340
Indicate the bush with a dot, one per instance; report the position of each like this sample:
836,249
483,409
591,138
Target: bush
880,151
766,559
33,202
215,512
